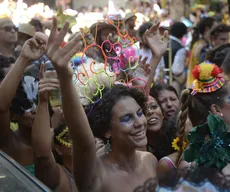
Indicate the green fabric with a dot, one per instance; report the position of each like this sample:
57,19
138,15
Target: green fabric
14,126
30,169
209,144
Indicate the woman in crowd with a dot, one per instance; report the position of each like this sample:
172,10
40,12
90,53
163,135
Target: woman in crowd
159,129
117,117
55,173
20,108
167,98
210,95
201,38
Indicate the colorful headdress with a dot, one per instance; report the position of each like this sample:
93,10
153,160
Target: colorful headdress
78,59
64,138
91,78
119,55
207,78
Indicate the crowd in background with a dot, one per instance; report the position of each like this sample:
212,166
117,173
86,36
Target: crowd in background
104,99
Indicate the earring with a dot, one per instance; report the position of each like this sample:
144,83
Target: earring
107,147
221,114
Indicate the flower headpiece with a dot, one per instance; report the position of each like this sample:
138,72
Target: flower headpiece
207,78
209,144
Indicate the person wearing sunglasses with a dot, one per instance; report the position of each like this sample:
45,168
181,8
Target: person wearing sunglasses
8,37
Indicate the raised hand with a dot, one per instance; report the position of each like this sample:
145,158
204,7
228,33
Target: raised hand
142,73
46,85
60,57
34,48
156,42
143,70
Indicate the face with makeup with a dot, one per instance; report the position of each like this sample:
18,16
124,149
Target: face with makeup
154,115
128,124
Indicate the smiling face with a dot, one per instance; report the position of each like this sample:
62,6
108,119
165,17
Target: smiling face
154,115
128,124
169,103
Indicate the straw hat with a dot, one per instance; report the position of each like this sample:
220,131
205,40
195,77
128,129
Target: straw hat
5,20
27,29
129,16
96,27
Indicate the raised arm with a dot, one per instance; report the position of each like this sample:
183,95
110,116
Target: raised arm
84,152
158,46
46,168
32,50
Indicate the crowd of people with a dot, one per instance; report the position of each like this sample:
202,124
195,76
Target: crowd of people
113,107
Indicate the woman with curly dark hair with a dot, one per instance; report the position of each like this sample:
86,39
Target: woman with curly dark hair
117,118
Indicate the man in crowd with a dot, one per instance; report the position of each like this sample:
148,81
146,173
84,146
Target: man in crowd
219,36
178,56
130,23
8,37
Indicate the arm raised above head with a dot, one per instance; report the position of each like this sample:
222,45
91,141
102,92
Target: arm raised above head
32,50
84,151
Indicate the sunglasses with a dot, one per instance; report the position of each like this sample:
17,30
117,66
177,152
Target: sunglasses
9,28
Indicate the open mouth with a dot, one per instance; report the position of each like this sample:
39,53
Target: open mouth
139,134
153,121
170,112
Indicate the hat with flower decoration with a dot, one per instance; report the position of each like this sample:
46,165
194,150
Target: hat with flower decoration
207,77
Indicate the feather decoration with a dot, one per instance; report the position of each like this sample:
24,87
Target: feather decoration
30,86
209,144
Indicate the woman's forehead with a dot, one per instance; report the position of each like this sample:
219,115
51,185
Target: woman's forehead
125,104
151,100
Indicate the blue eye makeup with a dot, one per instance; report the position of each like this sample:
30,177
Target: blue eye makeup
126,118
129,117
139,113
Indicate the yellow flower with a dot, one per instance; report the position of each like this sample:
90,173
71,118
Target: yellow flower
175,144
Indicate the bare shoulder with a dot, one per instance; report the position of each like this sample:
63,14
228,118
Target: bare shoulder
146,156
163,167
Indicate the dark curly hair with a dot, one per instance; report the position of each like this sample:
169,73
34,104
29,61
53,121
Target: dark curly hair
218,54
221,28
100,116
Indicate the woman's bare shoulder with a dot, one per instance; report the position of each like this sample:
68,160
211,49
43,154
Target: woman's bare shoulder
147,156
